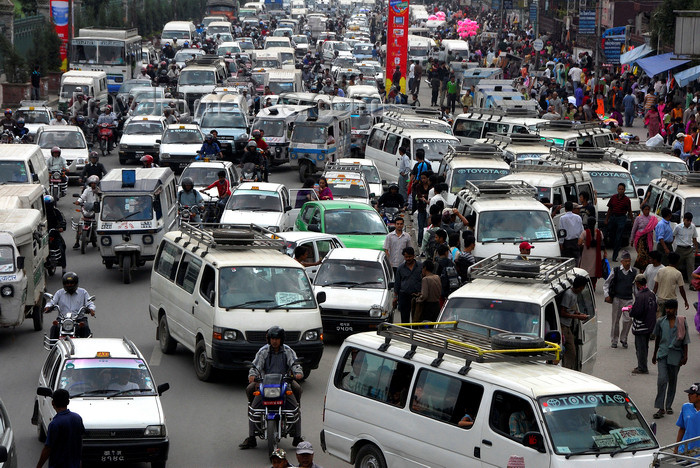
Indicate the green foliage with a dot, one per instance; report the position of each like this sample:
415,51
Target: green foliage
13,65
663,20
25,8
46,50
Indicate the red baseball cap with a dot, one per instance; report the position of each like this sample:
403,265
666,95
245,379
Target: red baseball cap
526,246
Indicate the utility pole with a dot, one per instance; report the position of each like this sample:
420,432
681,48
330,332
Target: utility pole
598,14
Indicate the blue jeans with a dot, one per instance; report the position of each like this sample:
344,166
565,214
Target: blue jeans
629,117
616,226
665,384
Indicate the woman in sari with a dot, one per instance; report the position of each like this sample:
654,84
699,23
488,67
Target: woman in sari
653,119
642,237
593,252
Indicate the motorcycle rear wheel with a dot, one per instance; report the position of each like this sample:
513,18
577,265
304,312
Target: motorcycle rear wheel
103,147
83,242
51,269
272,436
38,316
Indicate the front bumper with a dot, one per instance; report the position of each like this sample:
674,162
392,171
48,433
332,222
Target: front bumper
125,450
232,355
347,324
180,160
135,153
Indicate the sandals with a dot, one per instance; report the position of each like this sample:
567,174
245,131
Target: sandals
669,410
659,414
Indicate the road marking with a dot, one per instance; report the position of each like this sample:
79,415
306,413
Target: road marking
156,356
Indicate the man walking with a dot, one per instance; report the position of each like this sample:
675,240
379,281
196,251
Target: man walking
394,244
618,292
619,209
629,103
452,94
407,283
573,225
643,315
667,280
64,436
686,238
664,235
404,172
36,84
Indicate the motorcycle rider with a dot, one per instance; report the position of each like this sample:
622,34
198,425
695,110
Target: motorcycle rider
56,220
147,161
58,119
71,299
90,195
264,150
57,163
79,106
252,156
110,118
190,197
210,149
93,168
20,129
223,188
274,358
392,198
8,123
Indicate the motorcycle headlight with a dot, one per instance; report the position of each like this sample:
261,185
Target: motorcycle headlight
272,392
311,335
68,325
154,431
7,291
106,241
376,311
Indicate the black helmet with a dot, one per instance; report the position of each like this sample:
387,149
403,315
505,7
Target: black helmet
187,181
275,332
393,186
70,282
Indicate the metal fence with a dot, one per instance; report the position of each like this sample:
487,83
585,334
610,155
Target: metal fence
25,30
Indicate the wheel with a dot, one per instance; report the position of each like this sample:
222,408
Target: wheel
307,372
38,317
109,264
167,343
304,172
51,269
518,268
158,464
516,341
122,161
103,147
83,242
272,436
126,269
93,238
370,456
55,192
202,367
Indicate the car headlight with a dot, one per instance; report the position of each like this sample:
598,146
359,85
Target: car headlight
106,240
311,335
123,146
230,335
81,160
376,311
154,431
225,334
243,136
272,392
165,156
7,291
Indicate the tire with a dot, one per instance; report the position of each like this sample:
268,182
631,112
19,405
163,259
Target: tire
158,464
122,161
126,268
103,147
518,268
516,341
202,367
271,436
55,192
304,172
167,343
369,456
109,264
83,242
307,372
38,317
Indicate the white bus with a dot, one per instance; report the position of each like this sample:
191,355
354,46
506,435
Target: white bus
117,52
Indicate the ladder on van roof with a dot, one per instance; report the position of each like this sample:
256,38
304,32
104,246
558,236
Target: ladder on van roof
455,338
515,138
229,237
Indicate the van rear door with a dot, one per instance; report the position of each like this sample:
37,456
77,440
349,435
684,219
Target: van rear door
587,337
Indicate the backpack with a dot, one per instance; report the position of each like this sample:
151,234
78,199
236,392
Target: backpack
462,265
450,279
432,244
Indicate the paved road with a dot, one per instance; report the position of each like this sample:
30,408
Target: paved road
206,421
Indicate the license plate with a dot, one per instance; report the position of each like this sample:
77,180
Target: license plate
343,327
184,164
139,153
270,403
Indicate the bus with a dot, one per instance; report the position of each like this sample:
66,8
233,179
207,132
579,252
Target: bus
117,52
227,8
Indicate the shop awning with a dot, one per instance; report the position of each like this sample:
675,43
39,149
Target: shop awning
635,54
660,63
686,76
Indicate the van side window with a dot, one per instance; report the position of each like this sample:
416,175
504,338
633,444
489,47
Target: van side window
586,303
376,139
445,398
494,127
168,259
468,128
188,272
511,416
207,287
374,376
652,198
570,193
665,202
676,208
550,318
392,143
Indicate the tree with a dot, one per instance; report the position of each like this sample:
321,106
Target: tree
46,50
14,66
663,20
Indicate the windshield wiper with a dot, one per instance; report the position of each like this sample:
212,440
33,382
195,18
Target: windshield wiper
90,392
362,284
335,283
129,216
593,448
282,306
501,239
622,449
122,392
259,301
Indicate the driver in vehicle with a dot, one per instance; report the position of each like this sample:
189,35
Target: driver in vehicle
274,358
71,299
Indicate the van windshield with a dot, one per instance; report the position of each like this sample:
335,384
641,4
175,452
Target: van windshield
175,34
692,205
14,172
272,128
463,174
127,208
7,259
350,273
510,316
197,78
264,287
223,119
33,116
64,140
309,134
144,127
605,183
361,122
596,423
435,148
643,172
515,226
279,87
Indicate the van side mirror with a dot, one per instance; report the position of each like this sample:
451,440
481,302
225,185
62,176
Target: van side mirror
44,391
288,208
3,454
314,228
20,263
553,336
534,440
640,192
162,388
321,297
35,178
561,233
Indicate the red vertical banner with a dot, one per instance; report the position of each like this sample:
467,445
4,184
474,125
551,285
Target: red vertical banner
397,43
59,15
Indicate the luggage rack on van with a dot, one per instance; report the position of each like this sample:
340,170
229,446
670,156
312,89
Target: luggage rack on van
230,237
568,169
674,179
665,457
453,339
497,189
411,120
543,270
203,60
567,125
515,138
479,150
584,154
498,114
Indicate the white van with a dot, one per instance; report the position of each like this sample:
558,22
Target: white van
646,163
285,80
458,47
520,147
267,60
385,140
430,398
506,214
678,192
565,134
89,83
177,33
217,292
478,124
476,163
277,41
219,27
23,164
287,59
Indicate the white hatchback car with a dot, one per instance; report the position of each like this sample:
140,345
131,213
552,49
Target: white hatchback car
72,142
262,203
140,136
358,284
179,145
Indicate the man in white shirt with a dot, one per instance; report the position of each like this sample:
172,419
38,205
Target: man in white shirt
686,238
575,75
404,172
58,119
571,222
395,242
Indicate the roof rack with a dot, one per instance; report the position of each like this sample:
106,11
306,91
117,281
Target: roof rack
567,125
665,457
558,166
479,150
203,60
641,147
337,167
554,271
476,189
675,179
519,138
407,120
453,339
585,154
229,237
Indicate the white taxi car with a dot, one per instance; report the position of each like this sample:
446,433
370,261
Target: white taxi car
262,203
72,142
348,185
141,136
179,145
205,173
112,388
369,170
358,284
35,114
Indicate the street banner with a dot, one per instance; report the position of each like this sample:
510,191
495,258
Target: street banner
59,16
397,43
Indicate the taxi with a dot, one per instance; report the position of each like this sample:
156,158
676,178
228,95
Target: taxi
179,145
140,136
71,140
369,171
111,387
356,224
35,114
348,185
205,173
262,203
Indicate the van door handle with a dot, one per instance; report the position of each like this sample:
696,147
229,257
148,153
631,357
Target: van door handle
488,443
192,310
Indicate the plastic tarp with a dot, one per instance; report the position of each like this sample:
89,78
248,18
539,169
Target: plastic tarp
635,54
686,76
660,63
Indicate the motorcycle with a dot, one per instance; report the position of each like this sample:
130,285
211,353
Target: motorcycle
212,212
250,173
56,251
187,213
389,214
106,134
70,324
272,421
58,184
86,225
